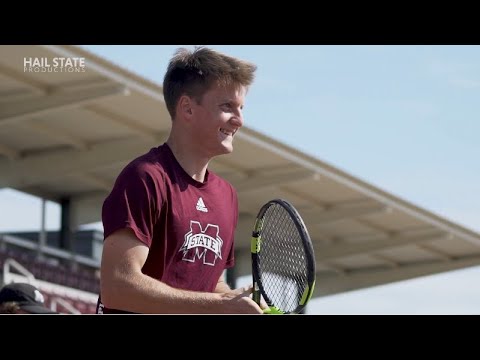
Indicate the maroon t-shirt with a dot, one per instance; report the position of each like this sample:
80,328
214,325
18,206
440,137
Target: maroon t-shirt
188,226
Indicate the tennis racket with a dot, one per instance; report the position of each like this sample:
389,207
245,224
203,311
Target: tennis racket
283,261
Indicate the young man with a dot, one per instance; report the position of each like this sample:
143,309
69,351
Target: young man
169,222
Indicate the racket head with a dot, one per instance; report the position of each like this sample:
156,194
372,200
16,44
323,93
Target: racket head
283,260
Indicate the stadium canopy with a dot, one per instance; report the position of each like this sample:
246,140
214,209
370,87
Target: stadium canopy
64,136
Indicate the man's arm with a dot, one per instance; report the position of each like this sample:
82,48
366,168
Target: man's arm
125,287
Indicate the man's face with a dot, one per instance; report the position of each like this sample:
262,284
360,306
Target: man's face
217,118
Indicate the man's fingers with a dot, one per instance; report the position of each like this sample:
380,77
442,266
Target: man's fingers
248,289
263,304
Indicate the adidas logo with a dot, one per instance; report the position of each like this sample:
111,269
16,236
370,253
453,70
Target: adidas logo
201,206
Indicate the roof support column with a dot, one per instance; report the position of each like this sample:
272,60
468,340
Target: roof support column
66,233
42,236
231,277
65,242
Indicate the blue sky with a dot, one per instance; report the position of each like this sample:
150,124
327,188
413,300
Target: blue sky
403,118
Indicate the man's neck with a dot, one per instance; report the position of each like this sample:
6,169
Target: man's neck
189,159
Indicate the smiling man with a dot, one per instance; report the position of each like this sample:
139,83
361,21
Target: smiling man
169,222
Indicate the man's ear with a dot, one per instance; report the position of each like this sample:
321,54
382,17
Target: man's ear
185,105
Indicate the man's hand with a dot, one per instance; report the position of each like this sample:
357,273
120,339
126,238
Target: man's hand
263,304
238,301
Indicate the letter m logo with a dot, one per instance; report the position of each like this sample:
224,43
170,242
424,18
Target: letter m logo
204,244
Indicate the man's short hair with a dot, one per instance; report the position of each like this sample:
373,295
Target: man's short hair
192,73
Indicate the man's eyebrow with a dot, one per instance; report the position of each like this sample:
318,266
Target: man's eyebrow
230,101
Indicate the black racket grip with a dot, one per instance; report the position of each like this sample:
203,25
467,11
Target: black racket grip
256,296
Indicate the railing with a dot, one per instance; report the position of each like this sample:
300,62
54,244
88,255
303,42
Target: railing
69,307
54,292
60,253
7,275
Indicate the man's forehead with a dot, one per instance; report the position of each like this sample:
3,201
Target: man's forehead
230,93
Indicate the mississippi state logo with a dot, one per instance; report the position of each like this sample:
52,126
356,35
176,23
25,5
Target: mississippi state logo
202,244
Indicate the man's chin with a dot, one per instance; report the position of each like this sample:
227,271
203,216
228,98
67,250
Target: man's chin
227,148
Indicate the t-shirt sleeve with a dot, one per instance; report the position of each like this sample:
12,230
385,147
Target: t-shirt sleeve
231,255
135,202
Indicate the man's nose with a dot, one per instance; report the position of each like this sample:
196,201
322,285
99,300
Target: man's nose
237,119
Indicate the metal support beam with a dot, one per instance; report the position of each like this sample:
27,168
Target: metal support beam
133,82
272,177
66,235
329,284
11,113
326,253
55,134
37,169
19,76
131,124
42,235
335,213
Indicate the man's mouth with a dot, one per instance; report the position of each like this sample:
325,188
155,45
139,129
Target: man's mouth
228,132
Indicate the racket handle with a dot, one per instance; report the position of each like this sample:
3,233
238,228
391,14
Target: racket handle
256,293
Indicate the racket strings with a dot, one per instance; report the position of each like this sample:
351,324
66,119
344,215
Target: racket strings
282,264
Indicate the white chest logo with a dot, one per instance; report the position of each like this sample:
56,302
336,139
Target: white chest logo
202,244
201,205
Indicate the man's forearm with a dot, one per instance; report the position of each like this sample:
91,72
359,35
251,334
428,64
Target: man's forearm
222,287
143,294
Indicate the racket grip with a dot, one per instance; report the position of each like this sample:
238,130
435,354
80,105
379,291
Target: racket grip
256,293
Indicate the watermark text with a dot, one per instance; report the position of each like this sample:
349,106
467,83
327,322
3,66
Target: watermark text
57,64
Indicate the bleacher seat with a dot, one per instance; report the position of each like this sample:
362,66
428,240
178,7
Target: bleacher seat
81,279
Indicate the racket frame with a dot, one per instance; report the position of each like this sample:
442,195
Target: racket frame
255,247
